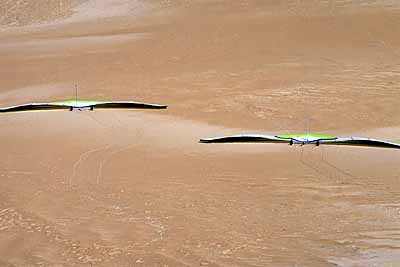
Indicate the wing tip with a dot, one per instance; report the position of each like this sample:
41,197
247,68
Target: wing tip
364,141
152,105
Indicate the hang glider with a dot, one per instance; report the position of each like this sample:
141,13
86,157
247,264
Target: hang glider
302,139
81,105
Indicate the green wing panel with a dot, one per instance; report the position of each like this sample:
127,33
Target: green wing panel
250,138
308,135
128,105
32,107
361,141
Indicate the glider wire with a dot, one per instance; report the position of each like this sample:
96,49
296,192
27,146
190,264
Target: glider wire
340,170
337,170
97,121
302,161
283,129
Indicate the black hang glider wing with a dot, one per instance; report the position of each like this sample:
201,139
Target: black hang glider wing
361,141
245,138
33,106
128,105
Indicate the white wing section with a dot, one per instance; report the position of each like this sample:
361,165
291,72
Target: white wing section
360,141
128,105
245,138
33,106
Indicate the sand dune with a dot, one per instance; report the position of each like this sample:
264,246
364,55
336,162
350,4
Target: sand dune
135,188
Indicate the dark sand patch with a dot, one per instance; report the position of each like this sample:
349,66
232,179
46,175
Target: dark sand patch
130,188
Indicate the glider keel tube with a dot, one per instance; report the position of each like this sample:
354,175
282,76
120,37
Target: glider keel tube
252,138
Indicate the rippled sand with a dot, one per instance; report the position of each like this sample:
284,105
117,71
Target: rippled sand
135,188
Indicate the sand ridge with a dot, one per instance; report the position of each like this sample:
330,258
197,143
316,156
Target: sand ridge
135,188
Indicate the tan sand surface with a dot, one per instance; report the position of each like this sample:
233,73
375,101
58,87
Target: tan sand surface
135,188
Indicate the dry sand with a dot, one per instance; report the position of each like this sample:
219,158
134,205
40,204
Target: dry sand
135,188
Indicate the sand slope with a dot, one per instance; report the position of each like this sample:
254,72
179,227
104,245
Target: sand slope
135,188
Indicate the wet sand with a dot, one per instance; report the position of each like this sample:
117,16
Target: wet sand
135,188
